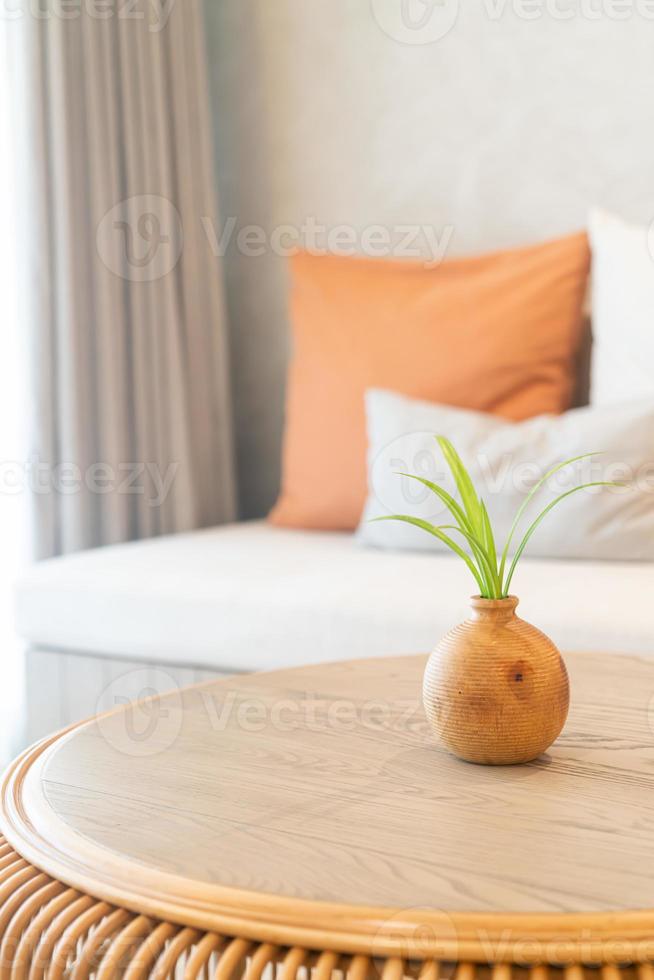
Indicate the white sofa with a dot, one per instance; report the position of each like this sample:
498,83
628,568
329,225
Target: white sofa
252,597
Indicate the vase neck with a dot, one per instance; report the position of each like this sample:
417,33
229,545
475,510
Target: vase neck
493,610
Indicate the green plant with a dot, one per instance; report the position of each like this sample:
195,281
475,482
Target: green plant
473,522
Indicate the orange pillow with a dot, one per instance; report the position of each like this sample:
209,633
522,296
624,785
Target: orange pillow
497,333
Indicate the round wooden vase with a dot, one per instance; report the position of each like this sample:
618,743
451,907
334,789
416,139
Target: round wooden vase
496,689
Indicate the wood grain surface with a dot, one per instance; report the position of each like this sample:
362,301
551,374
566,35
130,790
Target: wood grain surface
496,689
257,797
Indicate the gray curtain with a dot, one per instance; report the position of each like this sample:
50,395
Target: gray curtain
123,316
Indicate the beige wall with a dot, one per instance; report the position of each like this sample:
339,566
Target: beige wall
505,129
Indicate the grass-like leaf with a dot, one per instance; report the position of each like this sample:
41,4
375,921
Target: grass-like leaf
532,493
454,508
474,524
486,569
432,529
530,530
486,565
489,543
463,482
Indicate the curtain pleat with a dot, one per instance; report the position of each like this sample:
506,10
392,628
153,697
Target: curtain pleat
111,312
126,326
188,71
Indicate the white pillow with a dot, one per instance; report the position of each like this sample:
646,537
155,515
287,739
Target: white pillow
623,309
505,459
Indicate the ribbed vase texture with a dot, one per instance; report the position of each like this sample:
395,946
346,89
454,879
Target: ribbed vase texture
496,689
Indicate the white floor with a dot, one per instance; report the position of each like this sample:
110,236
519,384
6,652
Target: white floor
12,707
12,679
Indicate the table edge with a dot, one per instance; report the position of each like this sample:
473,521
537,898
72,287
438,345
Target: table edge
50,845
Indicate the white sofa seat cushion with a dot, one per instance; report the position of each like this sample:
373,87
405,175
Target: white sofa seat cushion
253,597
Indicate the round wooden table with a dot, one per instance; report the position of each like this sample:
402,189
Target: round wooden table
305,821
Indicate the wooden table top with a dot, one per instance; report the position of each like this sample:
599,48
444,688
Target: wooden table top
316,799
